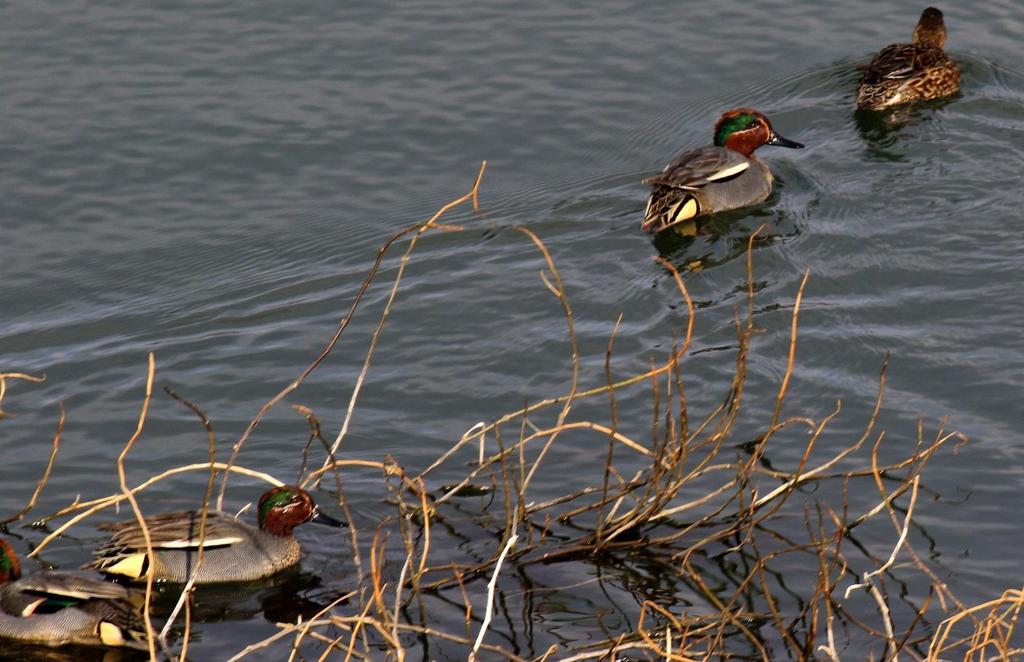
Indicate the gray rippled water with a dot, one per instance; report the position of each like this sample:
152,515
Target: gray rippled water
211,183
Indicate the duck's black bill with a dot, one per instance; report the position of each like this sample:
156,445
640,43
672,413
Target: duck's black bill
319,518
779,141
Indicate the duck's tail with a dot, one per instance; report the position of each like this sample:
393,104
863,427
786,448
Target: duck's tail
669,206
119,623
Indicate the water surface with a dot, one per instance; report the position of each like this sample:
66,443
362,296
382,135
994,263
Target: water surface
211,183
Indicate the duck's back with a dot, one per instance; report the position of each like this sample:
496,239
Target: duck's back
22,614
901,73
234,551
251,554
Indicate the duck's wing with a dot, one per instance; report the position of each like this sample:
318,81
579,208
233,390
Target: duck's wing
696,168
901,61
174,530
50,591
70,585
80,607
125,552
118,621
893,62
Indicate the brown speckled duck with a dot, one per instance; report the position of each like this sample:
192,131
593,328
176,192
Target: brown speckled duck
718,177
902,73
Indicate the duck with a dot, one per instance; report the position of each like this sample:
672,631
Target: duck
57,608
715,178
904,73
233,550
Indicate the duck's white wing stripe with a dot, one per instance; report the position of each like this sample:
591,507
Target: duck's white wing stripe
67,592
730,171
194,543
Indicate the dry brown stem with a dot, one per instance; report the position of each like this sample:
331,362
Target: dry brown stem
343,324
46,472
722,575
472,195
4,376
130,496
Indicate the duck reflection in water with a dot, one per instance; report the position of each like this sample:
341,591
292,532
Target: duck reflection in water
283,598
702,243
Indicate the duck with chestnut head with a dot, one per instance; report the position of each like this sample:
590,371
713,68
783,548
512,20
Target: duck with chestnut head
56,608
718,177
233,551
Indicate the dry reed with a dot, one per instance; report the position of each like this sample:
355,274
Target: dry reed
732,557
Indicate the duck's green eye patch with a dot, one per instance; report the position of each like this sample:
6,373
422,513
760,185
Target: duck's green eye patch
741,122
275,500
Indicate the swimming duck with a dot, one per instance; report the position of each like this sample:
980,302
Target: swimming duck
718,177
902,73
233,550
54,608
